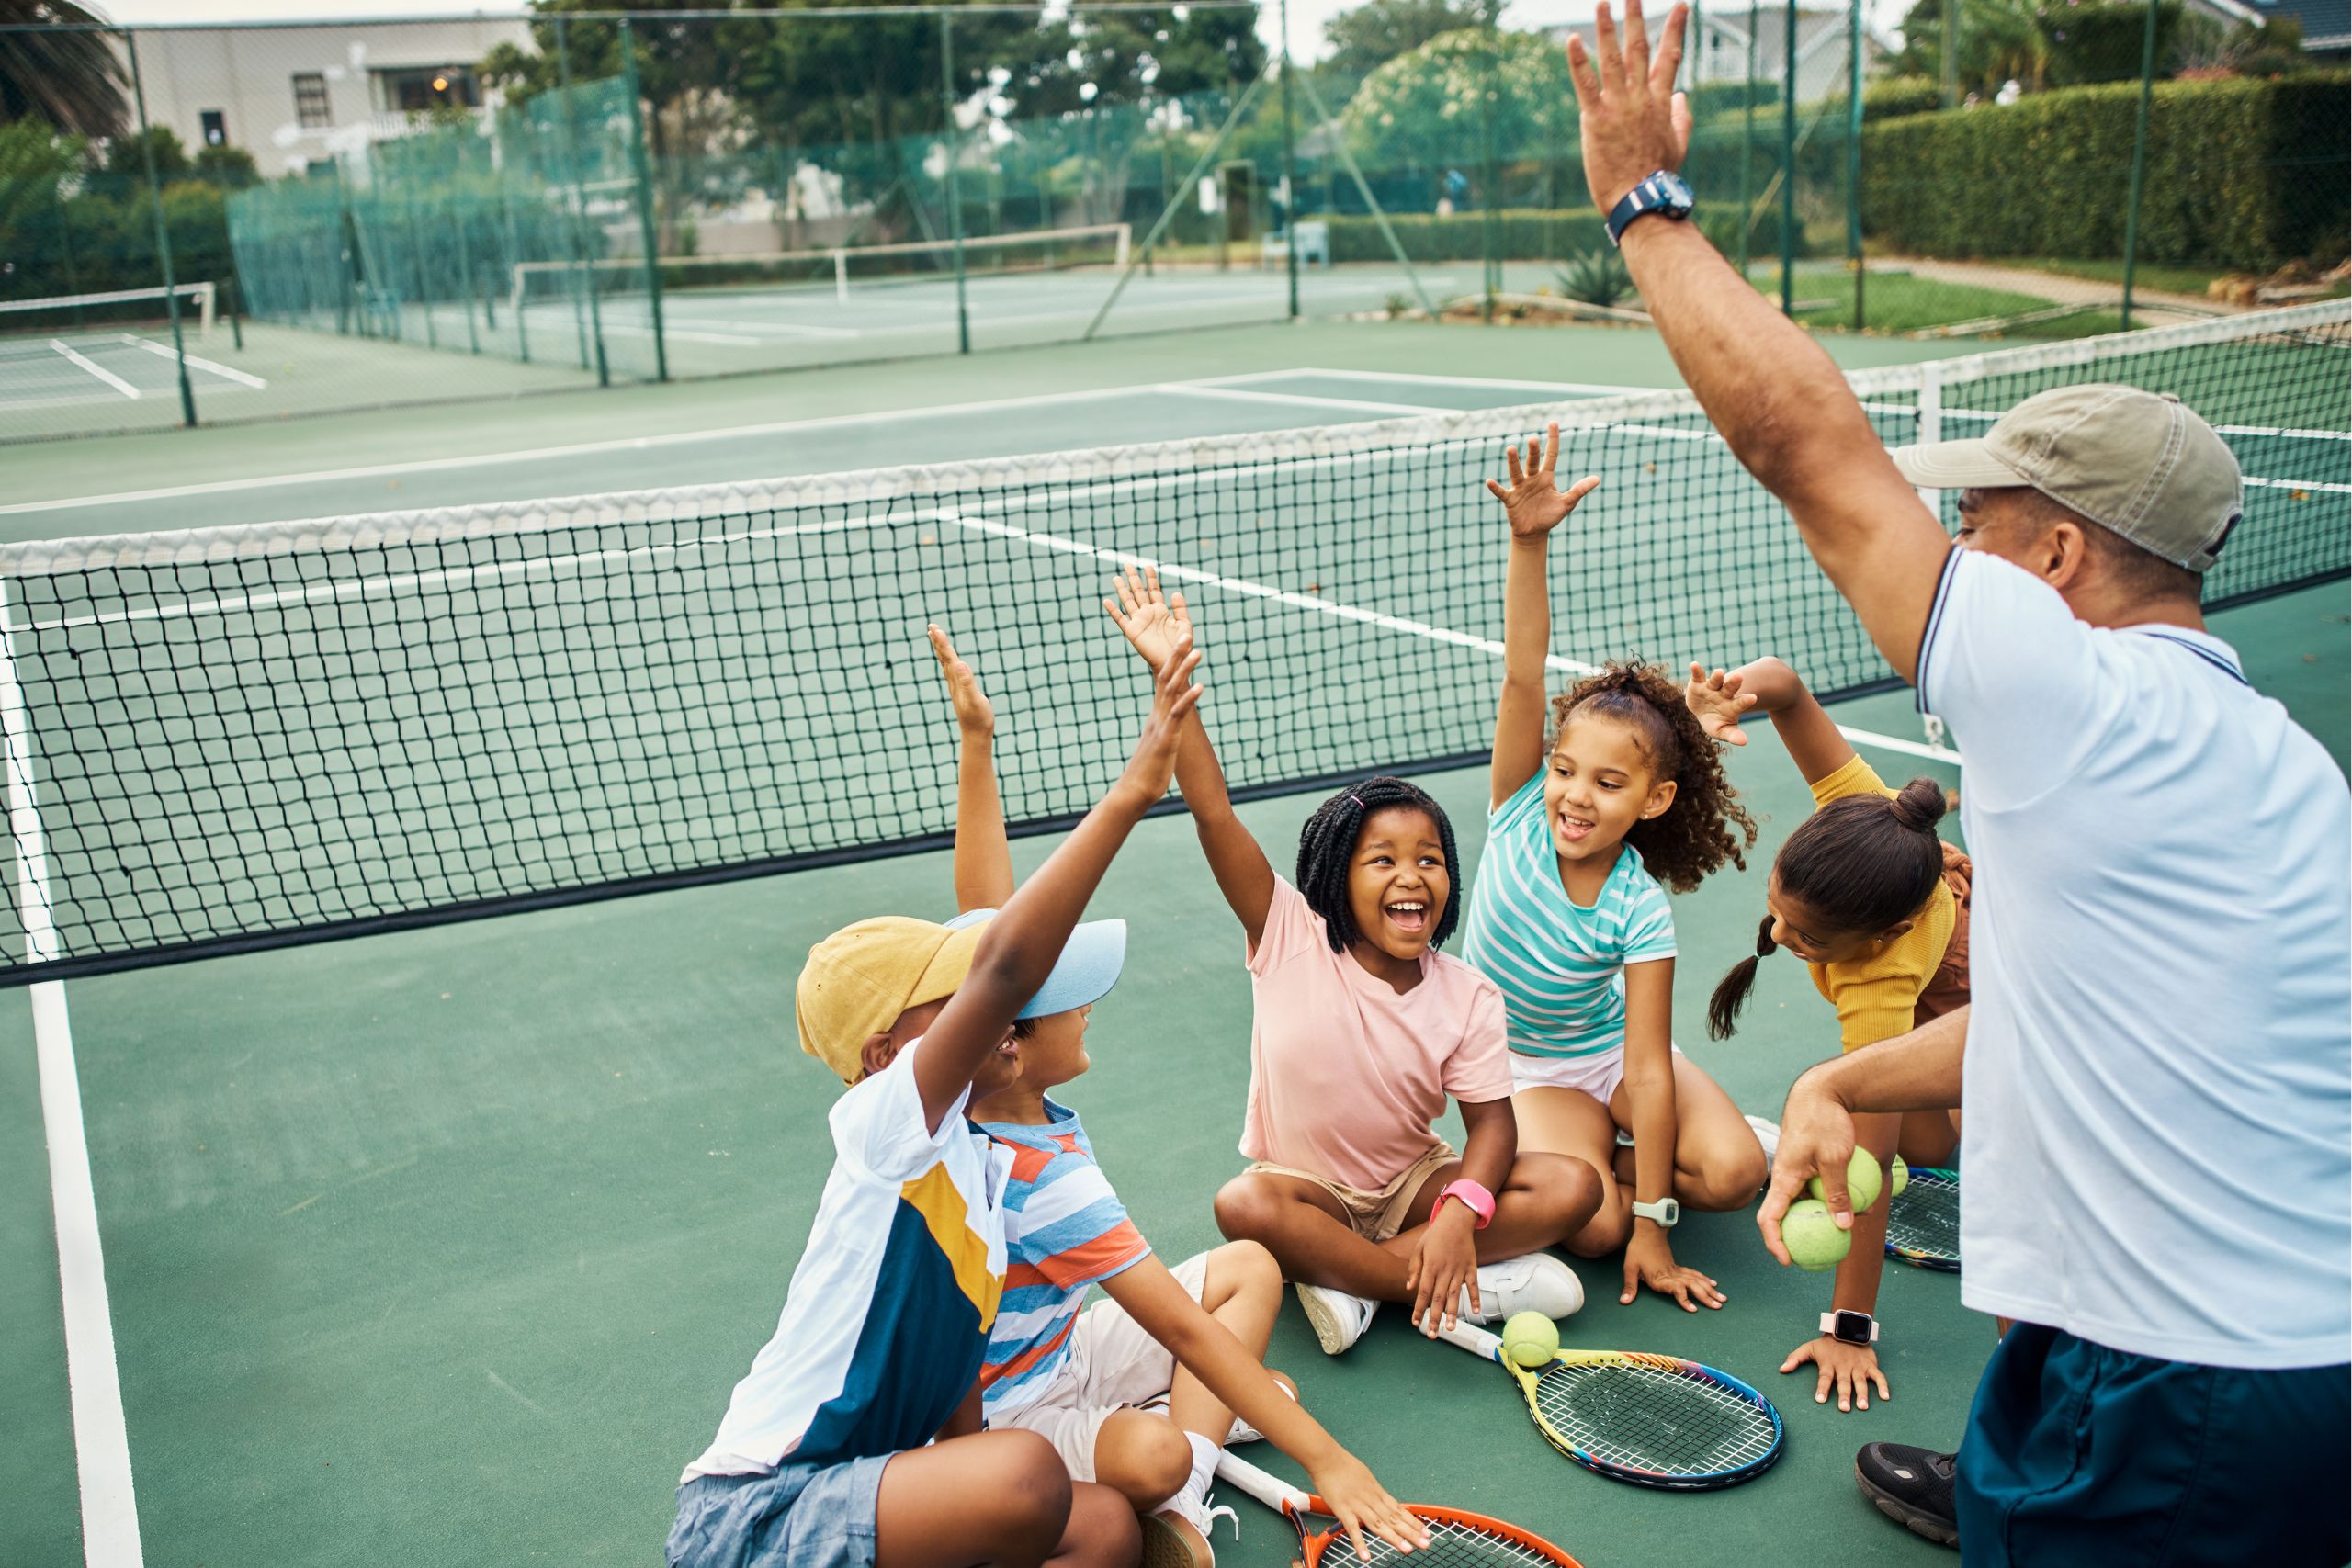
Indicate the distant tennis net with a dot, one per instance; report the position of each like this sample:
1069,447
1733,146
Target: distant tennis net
226,738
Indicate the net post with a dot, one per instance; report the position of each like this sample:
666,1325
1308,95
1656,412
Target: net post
1363,189
579,223
1789,164
1854,153
1290,172
1490,171
955,143
1931,407
1168,213
163,233
1747,138
650,232
2138,160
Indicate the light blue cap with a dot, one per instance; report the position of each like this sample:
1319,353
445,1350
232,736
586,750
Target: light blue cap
1084,973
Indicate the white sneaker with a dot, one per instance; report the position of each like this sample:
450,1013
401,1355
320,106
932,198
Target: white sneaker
1338,1318
1176,1534
1768,1134
1535,1282
1243,1432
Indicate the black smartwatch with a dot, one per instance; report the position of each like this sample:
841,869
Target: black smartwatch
1664,193
1850,1327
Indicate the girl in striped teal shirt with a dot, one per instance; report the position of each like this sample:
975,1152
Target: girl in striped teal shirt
1567,917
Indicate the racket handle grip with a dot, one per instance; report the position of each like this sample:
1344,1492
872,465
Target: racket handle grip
1271,1490
1473,1338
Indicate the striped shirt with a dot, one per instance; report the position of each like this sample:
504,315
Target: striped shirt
1561,964
1065,1229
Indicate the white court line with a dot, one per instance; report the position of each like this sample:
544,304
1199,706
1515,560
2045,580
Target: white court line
101,1433
1592,388
100,371
580,449
157,348
1298,400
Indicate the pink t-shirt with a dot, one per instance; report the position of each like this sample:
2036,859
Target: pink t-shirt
1346,1075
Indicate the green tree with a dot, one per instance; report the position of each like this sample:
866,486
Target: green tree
228,168
2000,41
72,80
1422,111
1369,36
125,158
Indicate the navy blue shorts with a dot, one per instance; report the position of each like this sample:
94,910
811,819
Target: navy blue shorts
2078,1454
799,1516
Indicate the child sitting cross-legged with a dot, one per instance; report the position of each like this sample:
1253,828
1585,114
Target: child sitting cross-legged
1137,1392
1362,1031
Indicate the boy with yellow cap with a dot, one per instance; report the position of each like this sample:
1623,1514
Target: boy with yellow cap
826,1456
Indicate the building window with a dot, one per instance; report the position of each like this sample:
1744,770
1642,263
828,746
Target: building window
418,89
311,111
216,128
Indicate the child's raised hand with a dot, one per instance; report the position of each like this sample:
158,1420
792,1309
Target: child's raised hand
973,713
1151,622
1534,503
1716,697
1173,695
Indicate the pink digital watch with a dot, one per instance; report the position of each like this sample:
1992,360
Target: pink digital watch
1474,1198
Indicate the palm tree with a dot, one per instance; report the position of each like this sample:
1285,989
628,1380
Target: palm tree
54,72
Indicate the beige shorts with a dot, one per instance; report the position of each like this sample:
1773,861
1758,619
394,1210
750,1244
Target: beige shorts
1113,1365
1376,1216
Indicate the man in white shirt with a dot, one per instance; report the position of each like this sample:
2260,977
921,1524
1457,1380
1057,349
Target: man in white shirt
2158,1064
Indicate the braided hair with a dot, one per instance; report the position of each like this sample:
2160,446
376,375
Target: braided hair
1326,848
1696,834
1864,861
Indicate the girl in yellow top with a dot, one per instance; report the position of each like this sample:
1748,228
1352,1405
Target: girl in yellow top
1877,904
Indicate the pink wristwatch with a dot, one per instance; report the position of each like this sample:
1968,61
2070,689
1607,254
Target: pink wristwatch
1474,1198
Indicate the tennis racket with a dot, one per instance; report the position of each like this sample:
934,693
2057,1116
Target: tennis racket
1648,1420
1457,1539
1923,1224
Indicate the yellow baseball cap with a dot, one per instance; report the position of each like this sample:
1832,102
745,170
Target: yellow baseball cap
858,980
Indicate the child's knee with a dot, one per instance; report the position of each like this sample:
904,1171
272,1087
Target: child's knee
1029,1490
1146,1458
1728,1182
1567,1191
1606,1232
1247,1209
1244,1268
1103,1529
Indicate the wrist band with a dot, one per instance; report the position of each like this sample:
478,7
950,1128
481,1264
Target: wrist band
1473,1197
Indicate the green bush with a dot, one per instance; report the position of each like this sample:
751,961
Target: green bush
2242,174
1893,97
1526,234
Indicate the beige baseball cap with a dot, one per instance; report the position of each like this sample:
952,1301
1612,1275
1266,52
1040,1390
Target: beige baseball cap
858,980
2141,464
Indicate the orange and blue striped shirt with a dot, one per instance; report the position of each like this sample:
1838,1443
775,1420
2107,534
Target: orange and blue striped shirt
1065,1230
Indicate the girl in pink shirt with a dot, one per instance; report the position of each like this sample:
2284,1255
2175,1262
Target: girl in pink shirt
1362,1030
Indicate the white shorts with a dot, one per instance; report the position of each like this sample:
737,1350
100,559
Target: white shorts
1113,1365
1598,1075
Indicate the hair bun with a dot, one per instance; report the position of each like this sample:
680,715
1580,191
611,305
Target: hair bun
1920,804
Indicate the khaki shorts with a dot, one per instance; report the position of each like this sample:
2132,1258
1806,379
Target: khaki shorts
1113,1365
1376,1216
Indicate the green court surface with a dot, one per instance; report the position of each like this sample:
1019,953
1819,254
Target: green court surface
447,1245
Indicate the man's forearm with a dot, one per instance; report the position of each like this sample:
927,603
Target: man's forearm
1773,393
1919,1071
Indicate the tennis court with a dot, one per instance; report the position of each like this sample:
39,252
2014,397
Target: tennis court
446,1245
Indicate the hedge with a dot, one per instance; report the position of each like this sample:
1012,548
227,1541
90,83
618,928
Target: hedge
1527,235
2241,173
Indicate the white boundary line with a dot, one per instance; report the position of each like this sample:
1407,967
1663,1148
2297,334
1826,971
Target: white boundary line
1295,400
1591,388
100,371
101,1433
157,348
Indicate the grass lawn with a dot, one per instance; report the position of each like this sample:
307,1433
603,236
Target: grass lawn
1898,302
2162,276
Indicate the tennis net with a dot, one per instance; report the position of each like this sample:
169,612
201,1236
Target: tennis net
242,737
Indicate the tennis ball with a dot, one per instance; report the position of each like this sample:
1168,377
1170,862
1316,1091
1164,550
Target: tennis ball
1530,1339
1899,1178
1863,1182
1813,1238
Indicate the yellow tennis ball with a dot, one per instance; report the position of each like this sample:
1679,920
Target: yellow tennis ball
1900,1180
1863,1182
1813,1238
1531,1339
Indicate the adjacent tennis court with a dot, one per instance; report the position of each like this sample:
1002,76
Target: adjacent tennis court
446,1245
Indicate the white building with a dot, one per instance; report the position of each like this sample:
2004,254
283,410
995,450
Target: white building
291,95
1719,52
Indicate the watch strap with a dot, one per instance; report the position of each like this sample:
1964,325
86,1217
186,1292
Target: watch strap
1473,1197
1666,1213
1829,1326
1663,192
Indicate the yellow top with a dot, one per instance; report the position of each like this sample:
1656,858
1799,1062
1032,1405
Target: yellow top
1874,997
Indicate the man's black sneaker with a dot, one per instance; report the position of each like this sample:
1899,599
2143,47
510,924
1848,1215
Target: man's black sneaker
1911,1486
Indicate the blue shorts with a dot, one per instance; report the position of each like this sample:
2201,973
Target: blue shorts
2076,1453
800,1516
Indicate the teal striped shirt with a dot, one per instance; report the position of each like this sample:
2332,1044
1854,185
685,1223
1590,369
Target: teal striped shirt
1560,964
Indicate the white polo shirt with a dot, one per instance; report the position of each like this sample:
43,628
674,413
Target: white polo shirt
2157,1152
